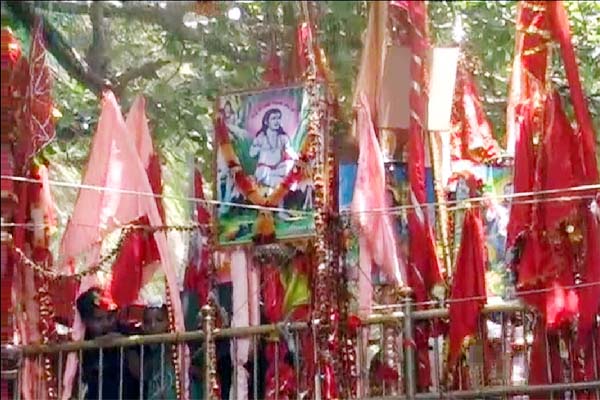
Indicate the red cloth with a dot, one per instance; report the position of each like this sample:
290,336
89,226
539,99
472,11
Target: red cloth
545,256
126,279
529,67
524,172
139,247
469,282
286,375
35,207
273,293
473,140
561,32
545,364
557,168
564,159
196,276
422,271
11,54
155,178
35,119
273,74
589,297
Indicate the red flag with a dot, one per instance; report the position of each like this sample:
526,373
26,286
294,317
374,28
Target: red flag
473,140
524,171
561,32
35,117
468,283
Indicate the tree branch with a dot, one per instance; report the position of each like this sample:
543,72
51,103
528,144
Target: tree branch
169,17
67,56
97,53
146,70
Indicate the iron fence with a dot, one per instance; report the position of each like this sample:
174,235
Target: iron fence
497,360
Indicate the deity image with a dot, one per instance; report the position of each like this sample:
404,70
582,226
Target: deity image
272,147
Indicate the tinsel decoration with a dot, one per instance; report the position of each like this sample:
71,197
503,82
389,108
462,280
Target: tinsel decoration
208,314
175,348
46,318
105,261
324,312
210,372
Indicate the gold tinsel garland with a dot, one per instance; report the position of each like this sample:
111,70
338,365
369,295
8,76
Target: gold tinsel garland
107,259
46,316
322,313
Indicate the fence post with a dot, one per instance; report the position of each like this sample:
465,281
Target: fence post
409,349
207,327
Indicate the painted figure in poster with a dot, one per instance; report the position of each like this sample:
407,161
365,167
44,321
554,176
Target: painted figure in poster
232,121
272,147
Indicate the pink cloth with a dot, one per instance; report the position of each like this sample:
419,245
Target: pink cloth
114,164
240,318
369,80
369,194
137,125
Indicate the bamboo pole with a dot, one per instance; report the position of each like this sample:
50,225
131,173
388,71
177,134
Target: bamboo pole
442,220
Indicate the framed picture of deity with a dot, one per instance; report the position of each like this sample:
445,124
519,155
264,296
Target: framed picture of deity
263,166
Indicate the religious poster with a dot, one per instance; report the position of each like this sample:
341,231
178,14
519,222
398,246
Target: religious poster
498,186
267,131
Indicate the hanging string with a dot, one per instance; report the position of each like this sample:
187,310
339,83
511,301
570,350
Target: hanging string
519,293
148,194
582,188
463,204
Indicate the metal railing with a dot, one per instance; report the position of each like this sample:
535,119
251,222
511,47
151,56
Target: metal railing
387,333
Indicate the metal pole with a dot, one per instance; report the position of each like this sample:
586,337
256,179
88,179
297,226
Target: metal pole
409,354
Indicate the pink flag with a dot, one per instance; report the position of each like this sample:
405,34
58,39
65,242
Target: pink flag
370,194
115,166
